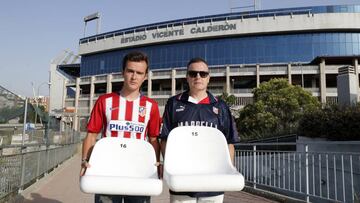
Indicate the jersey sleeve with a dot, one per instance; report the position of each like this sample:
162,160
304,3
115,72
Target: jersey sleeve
231,132
154,121
167,121
97,118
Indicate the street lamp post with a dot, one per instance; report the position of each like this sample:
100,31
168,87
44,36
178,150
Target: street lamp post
38,90
36,97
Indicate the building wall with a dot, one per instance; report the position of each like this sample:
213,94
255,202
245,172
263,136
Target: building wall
254,25
243,50
236,50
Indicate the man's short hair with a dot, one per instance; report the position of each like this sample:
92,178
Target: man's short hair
196,60
136,56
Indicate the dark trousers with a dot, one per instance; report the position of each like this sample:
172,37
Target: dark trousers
99,198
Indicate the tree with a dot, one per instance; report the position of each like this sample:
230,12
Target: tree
277,109
229,99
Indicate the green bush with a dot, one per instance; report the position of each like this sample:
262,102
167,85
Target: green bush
332,122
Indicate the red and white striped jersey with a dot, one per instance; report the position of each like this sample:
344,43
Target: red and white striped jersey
118,117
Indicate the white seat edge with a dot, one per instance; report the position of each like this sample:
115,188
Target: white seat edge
120,185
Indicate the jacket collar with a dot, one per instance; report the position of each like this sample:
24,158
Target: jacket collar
185,97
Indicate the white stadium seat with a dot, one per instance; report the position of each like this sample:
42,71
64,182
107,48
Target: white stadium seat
197,158
122,166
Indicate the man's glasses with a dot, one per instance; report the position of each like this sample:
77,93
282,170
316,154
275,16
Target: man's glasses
193,74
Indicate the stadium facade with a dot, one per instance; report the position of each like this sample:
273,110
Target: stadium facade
306,45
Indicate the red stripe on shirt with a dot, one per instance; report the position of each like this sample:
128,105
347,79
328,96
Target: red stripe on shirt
115,113
128,116
142,118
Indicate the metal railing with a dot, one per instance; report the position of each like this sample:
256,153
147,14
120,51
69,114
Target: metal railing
242,90
100,78
20,169
313,171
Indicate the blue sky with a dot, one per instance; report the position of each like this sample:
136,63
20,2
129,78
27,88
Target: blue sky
33,32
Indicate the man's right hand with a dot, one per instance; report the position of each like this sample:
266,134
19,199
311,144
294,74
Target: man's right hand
84,166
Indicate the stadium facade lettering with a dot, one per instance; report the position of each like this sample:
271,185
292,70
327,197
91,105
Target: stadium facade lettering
213,28
178,32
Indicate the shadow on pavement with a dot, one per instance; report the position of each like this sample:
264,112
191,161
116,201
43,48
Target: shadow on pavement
35,197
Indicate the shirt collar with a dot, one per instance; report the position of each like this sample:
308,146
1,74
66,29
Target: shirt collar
185,97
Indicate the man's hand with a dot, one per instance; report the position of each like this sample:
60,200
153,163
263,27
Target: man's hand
160,170
87,147
84,166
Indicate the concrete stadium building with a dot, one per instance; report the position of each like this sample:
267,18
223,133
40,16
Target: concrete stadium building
306,45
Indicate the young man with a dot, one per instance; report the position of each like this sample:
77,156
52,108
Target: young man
198,106
120,107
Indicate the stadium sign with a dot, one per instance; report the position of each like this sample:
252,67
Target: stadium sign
213,28
179,32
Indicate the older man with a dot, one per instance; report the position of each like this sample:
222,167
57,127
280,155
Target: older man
197,106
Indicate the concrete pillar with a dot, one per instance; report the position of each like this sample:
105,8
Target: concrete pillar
322,82
289,73
173,82
92,92
347,86
108,83
149,93
257,75
227,76
64,94
77,96
356,67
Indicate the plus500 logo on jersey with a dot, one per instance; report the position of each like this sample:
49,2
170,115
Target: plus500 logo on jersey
126,126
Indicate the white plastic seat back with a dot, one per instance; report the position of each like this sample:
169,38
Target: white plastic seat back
197,158
122,166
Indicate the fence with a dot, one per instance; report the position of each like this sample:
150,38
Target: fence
316,172
23,165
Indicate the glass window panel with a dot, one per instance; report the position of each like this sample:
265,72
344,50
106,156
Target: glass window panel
342,49
316,38
336,48
328,37
355,37
316,48
349,49
348,37
322,38
342,37
356,48
357,8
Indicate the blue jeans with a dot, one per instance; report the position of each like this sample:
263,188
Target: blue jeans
99,198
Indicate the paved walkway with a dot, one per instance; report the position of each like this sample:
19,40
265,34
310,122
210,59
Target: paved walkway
62,185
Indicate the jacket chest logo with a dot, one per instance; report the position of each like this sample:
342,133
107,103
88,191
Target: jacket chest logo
180,108
215,110
142,111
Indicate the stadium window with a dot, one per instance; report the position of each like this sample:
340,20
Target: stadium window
102,65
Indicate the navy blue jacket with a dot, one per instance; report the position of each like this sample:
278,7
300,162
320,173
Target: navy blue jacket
180,112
